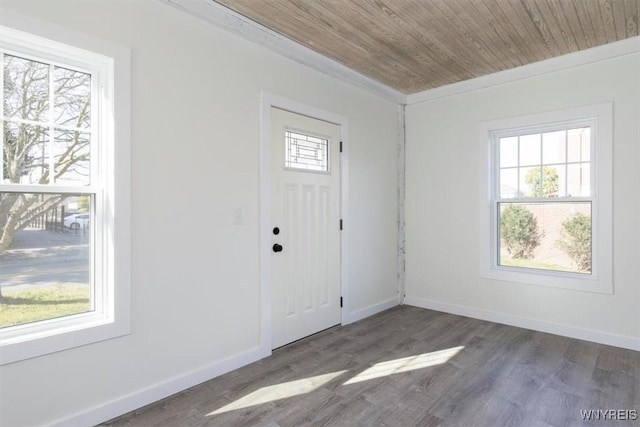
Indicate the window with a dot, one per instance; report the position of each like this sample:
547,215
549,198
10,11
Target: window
549,193
306,152
64,281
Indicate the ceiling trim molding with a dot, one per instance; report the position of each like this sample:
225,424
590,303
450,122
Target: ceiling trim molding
599,53
227,19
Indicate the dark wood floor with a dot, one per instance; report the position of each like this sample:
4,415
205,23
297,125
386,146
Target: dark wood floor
501,376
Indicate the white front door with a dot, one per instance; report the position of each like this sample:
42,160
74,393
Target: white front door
305,212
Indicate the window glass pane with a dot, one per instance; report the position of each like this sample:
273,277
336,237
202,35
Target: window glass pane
549,185
551,164
26,154
530,150
541,181
585,153
508,152
71,155
72,98
45,268
545,236
306,152
579,145
554,147
26,89
579,180
529,181
561,171
509,183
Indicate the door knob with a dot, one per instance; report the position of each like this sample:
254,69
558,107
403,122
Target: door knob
277,248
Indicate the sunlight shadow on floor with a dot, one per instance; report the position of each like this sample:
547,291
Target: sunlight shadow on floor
405,364
307,385
279,391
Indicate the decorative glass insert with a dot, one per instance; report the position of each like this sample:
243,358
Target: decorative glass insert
306,152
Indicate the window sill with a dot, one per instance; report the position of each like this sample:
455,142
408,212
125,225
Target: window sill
28,341
562,280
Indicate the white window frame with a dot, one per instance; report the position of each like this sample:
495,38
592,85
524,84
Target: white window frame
600,119
110,69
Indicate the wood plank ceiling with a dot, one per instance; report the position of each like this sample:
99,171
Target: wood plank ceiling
415,45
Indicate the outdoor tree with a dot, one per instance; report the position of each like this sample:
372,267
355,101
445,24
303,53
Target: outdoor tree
45,138
542,185
84,203
519,231
576,241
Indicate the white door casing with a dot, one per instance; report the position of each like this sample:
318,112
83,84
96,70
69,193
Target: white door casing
305,207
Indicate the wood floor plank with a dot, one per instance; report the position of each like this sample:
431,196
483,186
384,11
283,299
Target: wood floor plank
413,367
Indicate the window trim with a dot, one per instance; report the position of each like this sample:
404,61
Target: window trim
27,37
600,117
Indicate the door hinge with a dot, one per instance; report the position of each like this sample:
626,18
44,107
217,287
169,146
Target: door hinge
340,302
341,146
340,224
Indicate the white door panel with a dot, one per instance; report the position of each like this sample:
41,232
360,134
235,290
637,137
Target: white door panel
306,210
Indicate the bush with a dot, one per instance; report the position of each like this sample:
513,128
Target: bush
576,241
519,231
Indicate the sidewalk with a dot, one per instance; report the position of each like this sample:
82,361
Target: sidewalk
31,238
37,243
45,258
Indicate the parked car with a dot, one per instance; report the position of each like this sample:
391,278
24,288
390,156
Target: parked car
76,221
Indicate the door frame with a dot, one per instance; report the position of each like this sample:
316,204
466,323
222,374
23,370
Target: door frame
269,101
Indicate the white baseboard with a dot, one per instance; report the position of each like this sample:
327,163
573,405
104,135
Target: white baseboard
523,322
130,402
354,316
138,399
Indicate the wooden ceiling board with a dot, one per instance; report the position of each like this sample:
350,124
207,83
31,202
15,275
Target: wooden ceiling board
415,45
584,38
632,9
533,38
480,36
316,29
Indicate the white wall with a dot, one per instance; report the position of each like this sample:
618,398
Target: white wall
443,202
195,279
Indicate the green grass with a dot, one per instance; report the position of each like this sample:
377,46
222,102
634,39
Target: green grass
531,263
45,303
